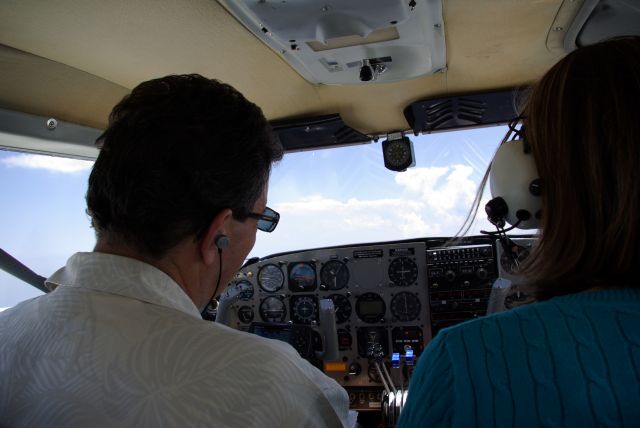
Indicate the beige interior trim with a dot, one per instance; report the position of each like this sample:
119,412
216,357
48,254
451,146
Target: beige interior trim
80,56
39,86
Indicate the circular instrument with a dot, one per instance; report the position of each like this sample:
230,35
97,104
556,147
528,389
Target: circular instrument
302,277
370,307
270,278
405,306
397,154
342,307
403,271
248,294
272,309
245,314
334,275
303,309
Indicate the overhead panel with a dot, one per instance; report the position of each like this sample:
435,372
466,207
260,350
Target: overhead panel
355,42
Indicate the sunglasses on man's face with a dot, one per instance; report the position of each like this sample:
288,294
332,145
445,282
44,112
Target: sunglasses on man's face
267,221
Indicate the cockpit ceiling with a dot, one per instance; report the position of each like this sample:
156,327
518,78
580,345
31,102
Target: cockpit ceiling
73,59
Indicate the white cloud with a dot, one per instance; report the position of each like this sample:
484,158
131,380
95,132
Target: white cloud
49,163
431,201
441,188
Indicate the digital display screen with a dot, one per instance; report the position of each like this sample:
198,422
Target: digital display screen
371,307
271,332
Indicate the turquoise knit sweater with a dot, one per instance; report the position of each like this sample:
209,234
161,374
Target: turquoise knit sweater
570,361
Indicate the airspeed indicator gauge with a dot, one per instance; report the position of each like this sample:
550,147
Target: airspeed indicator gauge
270,278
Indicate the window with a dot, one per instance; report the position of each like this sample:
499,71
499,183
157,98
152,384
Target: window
325,197
346,195
42,220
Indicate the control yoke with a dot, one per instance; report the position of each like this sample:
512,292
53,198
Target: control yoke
228,298
328,331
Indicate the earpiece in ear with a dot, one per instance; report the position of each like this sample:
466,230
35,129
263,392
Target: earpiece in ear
222,241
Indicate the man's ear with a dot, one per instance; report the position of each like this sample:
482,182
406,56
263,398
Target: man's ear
217,227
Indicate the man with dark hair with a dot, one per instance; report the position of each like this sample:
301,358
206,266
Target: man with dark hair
176,197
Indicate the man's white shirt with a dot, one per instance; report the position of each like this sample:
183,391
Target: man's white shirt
119,343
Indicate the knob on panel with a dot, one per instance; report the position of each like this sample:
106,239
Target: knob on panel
355,369
449,275
482,273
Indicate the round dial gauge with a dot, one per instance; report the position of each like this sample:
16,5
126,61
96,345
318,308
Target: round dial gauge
302,277
397,154
334,275
245,314
405,306
303,309
342,307
403,271
270,278
248,294
272,309
370,307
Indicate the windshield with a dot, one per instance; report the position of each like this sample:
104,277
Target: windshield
325,197
346,195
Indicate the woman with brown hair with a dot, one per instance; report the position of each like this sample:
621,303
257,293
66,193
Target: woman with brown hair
573,358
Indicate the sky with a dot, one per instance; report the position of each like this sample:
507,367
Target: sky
326,197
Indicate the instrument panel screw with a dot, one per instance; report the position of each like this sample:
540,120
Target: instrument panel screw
52,124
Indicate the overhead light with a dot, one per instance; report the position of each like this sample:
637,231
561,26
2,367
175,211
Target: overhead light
369,71
397,151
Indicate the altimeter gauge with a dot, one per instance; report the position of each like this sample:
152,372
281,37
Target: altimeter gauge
334,275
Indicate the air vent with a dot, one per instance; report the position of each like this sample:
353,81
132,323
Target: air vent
461,112
316,132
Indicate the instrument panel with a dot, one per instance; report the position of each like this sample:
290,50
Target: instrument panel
387,297
379,294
